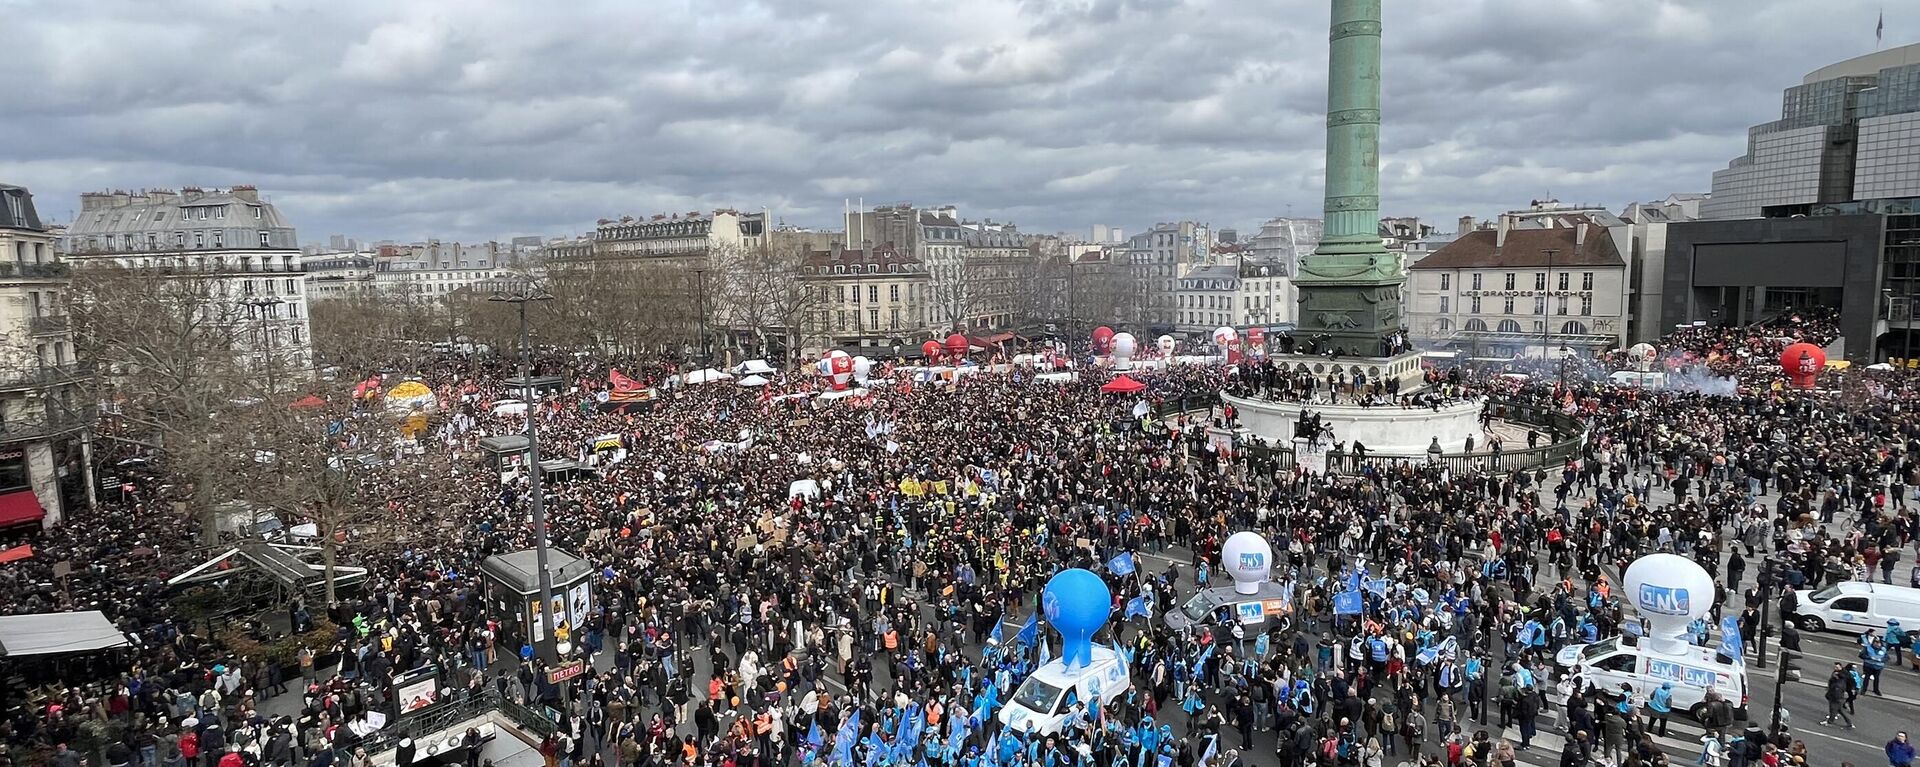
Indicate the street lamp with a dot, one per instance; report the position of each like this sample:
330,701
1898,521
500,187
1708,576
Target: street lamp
264,307
520,293
1434,451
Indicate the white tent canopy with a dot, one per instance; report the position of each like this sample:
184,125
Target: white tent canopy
53,633
759,367
752,380
708,375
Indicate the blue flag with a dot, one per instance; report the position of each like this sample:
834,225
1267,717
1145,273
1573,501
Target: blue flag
843,740
1730,642
1029,632
1428,655
1348,603
1377,586
1137,606
1201,662
1122,564
999,633
814,736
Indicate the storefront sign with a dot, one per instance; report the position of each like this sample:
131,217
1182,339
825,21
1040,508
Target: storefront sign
566,672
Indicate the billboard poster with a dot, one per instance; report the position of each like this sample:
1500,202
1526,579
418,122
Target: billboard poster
536,622
562,628
579,602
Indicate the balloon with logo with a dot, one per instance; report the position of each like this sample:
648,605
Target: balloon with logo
1224,337
930,350
840,370
1248,559
957,347
1102,336
862,369
1670,592
1802,362
1642,356
1076,603
1166,344
1257,341
1124,346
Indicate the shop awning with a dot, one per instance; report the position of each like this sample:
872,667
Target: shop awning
19,508
54,633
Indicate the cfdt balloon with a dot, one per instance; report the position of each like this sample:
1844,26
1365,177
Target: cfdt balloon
1076,603
1802,362
840,367
1248,559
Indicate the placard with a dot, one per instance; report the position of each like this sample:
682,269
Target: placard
1251,612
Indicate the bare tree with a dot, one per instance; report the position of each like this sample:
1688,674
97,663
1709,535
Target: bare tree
763,296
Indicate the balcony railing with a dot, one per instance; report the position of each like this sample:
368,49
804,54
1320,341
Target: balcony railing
46,270
48,324
43,375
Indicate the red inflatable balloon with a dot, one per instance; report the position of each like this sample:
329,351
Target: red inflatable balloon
1802,362
930,350
1102,336
957,345
841,371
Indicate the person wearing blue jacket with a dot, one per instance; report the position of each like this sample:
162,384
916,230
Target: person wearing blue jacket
1660,709
1873,660
1899,751
1896,641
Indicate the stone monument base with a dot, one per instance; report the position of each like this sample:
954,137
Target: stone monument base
1387,430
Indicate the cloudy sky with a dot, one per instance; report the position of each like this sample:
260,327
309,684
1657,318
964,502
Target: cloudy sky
472,120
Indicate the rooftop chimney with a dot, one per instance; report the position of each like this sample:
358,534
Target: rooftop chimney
246,192
1466,225
1500,233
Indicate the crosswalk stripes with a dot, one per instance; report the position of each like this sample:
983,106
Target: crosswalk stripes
1681,743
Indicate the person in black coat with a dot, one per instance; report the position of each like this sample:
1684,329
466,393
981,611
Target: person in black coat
403,754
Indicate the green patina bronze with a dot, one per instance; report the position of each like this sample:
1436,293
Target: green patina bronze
1350,286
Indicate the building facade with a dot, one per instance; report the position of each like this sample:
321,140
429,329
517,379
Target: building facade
45,418
863,300
1208,297
244,247
1849,131
1158,258
1511,291
339,275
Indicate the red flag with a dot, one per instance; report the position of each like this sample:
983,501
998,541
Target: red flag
620,382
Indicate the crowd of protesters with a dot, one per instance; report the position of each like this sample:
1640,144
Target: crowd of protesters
875,622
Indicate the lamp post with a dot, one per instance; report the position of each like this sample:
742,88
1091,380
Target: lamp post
264,307
520,293
1546,309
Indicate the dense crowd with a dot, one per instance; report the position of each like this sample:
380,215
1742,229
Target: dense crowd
877,621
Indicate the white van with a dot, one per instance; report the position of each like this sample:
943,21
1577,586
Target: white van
1040,703
1856,606
1637,380
1609,662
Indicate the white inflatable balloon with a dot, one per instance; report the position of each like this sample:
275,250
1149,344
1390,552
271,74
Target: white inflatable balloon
1224,336
1670,592
1124,346
1166,344
862,368
1247,559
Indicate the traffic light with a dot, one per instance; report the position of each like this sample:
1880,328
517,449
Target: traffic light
1788,664
1789,669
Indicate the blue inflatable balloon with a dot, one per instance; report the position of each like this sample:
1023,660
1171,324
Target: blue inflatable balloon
1076,603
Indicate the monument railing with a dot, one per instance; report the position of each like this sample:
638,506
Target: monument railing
1564,436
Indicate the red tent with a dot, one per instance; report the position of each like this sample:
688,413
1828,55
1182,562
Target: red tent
1122,385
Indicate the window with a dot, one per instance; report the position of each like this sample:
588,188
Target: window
153,241
1574,328
1586,280
290,284
179,239
1509,326
873,295
1563,280
1539,280
893,320
1446,281
1476,325
1562,306
1443,304
203,214
219,236
1476,280
873,318
220,212
200,239
1509,280
265,240
1586,306
1475,303
256,211
1506,305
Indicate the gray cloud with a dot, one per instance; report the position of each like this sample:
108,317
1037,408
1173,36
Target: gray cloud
477,120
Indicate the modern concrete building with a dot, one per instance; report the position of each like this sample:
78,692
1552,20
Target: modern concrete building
1646,253
1515,291
1848,131
1158,258
242,245
45,418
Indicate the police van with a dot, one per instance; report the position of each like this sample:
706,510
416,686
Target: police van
1608,663
1043,702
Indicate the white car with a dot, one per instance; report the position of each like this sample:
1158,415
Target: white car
1608,663
508,407
1040,703
1857,606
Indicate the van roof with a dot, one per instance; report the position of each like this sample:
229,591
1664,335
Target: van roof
1057,675
1882,589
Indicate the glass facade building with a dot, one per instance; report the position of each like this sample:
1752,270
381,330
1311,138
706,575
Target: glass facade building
1850,131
